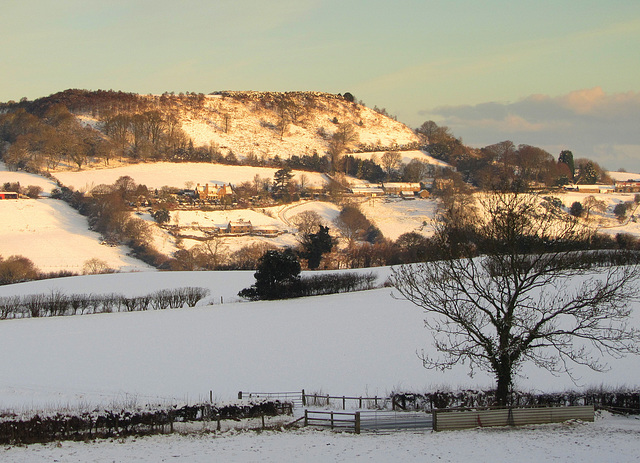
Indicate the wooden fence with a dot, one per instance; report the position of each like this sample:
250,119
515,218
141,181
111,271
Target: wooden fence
342,401
335,420
318,400
454,419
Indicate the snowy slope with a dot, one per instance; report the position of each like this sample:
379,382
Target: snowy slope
25,179
249,123
161,174
55,237
406,157
357,343
252,127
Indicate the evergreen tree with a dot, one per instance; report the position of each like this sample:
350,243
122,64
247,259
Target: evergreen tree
566,157
282,183
315,245
576,209
590,175
277,277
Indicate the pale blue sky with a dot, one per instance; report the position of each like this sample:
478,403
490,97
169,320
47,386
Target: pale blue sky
440,60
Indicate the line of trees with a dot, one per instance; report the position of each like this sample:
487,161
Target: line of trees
56,303
108,210
504,165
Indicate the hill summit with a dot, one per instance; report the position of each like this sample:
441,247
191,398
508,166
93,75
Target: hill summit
245,125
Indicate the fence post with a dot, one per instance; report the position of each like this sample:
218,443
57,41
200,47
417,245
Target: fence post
306,418
332,420
344,403
360,406
240,395
210,397
304,399
357,423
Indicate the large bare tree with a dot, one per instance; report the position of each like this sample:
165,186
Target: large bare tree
530,296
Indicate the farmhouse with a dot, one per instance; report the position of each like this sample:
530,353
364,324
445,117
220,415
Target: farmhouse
8,195
628,186
207,192
239,226
367,190
396,188
591,188
266,230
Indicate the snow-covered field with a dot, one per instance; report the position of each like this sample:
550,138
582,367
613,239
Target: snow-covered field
177,175
360,343
55,237
607,222
353,344
25,179
395,216
608,439
406,157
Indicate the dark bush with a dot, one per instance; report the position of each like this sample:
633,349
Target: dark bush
620,210
626,401
576,209
18,429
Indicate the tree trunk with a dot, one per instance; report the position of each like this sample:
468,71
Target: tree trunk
503,377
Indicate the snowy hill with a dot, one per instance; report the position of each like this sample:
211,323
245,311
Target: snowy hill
247,122
257,124
355,343
55,237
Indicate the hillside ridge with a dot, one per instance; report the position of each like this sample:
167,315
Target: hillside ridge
258,125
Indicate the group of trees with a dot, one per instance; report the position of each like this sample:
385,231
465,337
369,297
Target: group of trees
32,191
504,165
38,143
108,210
18,269
354,225
278,277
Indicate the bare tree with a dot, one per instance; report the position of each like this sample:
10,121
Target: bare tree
591,203
352,223
334,152
390,161
307,222
528,298
95,266
211,253
226,122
